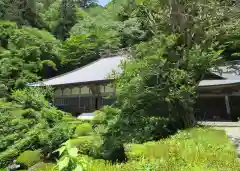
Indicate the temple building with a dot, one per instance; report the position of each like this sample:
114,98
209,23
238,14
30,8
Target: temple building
219,95
85,89
88,88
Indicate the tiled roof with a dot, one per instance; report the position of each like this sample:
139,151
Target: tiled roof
205,83
229,73
95,71
102,68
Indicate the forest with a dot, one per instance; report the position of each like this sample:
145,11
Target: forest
152,125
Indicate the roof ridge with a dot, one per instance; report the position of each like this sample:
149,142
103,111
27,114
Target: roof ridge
122,51
77,69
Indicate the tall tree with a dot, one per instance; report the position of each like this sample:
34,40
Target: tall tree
86,3
26,55
67,19
23,12
161,79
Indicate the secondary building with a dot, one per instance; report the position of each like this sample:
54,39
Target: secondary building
89,88
219,95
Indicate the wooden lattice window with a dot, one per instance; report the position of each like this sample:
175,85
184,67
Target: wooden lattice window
58,92
67,92
102,88
85,90
109,89
76,91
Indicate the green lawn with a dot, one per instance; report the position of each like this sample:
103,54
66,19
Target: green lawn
197,149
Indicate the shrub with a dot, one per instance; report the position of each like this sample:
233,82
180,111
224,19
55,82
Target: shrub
83,130
13,151
30,113
88,145
51,138
113,150
31,97
99,117
103,115
52,115
7,156
132,129
29,158
3,90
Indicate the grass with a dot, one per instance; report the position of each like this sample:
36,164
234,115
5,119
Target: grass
197,149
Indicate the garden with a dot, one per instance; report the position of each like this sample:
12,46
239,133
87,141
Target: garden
172,44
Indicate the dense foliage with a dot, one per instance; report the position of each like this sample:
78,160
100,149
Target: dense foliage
30,125
157,89
173,44
42,38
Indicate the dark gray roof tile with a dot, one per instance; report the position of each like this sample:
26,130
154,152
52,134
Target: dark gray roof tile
96,71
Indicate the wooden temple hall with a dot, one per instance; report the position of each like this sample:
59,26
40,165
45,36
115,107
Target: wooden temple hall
219,95
87,89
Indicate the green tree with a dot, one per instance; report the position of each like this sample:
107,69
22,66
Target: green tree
161,79
28,123
23,13
86,3
26,52
67,19
51,14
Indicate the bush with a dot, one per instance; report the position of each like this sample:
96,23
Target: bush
133,129
29,158
88,145
99,117
31,97
22,128
30,114
51,138
52,115
3,90
7,156
83,130
13,151
103,115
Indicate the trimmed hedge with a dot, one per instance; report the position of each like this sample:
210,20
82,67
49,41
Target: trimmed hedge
29,158
8,156
88,145
84,129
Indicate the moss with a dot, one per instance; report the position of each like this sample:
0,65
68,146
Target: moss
29,158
